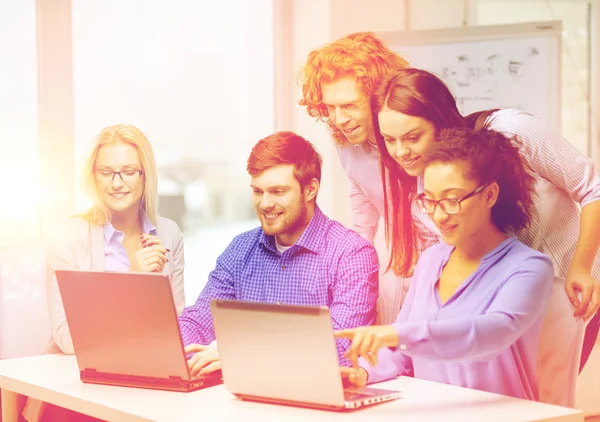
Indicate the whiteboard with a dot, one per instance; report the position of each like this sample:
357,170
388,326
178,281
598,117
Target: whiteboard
500,66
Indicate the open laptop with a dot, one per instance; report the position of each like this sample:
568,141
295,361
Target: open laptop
286,355
125,330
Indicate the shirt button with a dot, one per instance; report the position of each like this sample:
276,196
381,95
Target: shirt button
279,302
283,267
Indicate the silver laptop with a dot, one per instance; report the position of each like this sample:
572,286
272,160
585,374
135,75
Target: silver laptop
286,355
125,330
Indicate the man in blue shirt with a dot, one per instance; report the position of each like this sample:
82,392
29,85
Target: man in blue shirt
297,257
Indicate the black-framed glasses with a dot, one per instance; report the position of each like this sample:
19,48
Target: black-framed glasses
448,205
127,176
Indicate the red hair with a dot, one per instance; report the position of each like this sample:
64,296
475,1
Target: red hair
362,55
286,148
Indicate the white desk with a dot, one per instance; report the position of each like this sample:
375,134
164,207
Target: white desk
55,379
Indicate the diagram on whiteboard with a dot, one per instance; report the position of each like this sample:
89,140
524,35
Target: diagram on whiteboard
474,80
508,73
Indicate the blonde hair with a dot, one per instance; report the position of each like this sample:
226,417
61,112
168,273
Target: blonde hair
362,55
99,213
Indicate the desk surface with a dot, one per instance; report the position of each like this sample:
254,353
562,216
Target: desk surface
55,379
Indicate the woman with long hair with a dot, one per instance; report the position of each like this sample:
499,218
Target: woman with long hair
413,107
122,230
474,310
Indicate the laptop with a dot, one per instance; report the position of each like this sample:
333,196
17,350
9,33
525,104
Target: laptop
285,355
125,330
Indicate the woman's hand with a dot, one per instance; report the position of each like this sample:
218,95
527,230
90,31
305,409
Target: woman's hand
353,377
366,342
580,281
151,255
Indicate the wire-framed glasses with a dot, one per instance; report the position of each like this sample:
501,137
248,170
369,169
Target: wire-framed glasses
127,176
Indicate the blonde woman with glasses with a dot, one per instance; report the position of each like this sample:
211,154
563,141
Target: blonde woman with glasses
122,230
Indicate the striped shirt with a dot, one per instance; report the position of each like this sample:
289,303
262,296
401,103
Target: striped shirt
329,265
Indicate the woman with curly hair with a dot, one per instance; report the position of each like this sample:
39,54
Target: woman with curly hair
412,107
475,307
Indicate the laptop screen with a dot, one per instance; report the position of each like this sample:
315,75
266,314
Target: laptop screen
123,323
278,351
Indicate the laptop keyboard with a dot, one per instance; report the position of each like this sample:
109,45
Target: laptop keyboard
352,395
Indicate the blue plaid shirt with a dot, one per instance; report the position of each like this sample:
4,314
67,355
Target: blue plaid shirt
329,265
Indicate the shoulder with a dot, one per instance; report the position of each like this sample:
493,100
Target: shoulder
522,257
169,233
342,239
245,242
513,260
167,226
435,253
514,122
355,155
70,236
76,223
243,247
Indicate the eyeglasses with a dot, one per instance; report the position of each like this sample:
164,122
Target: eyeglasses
127,176
448,205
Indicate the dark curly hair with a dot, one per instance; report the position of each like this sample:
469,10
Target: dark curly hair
489,157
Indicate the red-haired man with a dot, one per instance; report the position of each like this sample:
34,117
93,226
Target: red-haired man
298,256
338,81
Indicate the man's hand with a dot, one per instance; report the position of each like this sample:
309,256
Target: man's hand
580,281
204,361
366,342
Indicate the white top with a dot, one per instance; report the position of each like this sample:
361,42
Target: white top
361,165
55,379
281,248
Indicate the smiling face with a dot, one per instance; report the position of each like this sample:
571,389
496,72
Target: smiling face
120,193
282,206
349,109
407,138
447,180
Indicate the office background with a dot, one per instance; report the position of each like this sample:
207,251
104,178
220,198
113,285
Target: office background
205,80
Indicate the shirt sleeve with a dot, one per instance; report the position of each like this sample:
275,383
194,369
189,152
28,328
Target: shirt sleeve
364,215
196,322
354,294
513,310
392,363
551,156
176,278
